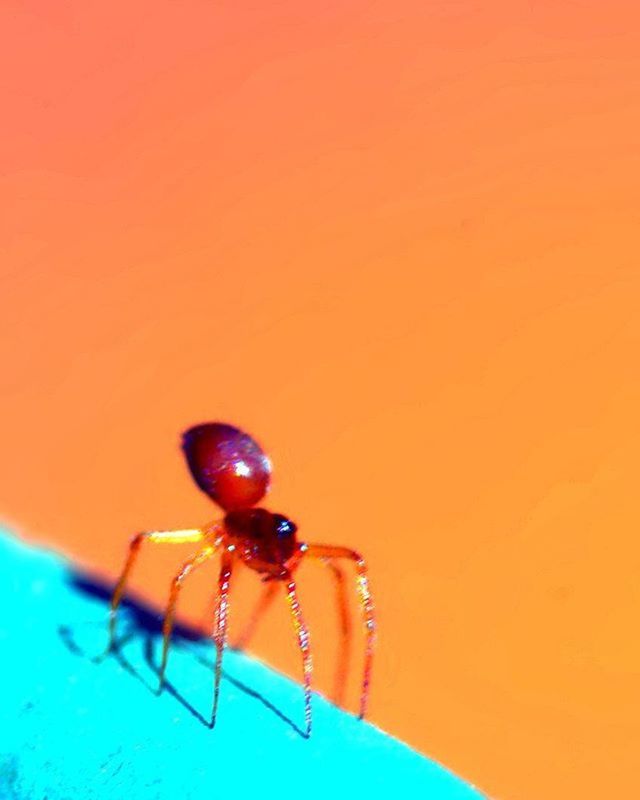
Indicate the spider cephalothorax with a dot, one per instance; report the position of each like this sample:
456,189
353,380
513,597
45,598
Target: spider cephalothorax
232,469
262,537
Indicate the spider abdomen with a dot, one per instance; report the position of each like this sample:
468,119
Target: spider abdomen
261,536
227,464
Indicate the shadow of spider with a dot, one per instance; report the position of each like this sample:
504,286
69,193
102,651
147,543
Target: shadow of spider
145,624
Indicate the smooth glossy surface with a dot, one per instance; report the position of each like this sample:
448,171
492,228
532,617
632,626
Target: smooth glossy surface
403,231
227,464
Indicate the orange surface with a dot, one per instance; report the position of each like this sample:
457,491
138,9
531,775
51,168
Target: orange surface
398,243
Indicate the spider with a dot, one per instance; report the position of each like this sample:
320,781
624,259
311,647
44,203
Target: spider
232,469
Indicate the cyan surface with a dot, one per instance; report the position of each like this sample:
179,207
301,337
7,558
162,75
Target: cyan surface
74,728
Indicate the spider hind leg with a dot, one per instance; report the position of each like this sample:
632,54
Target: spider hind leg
330,552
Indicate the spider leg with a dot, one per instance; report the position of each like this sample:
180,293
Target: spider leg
176,584
220,626
161,537
305,648
264,602
345,633
366,602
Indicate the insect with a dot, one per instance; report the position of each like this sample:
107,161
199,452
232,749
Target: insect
232,469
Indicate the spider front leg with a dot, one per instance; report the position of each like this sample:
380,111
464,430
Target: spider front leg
220,625
176,585
302,633
161,537
329,552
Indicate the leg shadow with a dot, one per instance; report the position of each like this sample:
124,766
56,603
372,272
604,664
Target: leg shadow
145,624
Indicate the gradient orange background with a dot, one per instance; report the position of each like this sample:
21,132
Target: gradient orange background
397,242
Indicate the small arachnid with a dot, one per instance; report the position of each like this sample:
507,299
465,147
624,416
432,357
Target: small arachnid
230,467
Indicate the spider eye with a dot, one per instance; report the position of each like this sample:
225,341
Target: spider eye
284,527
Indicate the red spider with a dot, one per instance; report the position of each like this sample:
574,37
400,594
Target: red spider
233,471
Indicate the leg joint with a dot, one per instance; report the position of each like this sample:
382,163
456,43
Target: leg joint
177,582
137,540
